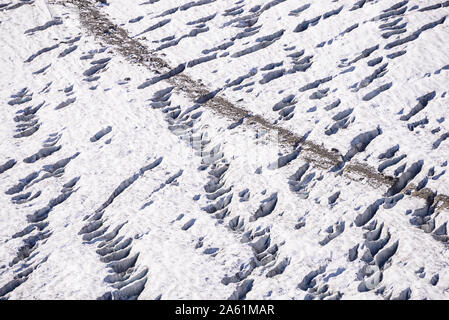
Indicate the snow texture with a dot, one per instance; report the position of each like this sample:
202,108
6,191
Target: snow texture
224,149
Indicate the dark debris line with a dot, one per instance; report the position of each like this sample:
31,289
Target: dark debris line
98,24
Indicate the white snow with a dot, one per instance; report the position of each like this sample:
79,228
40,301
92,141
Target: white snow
218,215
